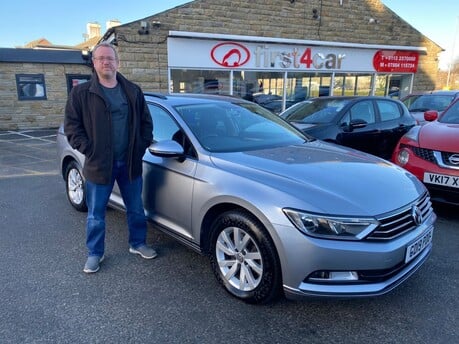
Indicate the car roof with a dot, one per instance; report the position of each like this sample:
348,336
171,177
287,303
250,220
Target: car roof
454,93
348,97
436,92
187,98
445,92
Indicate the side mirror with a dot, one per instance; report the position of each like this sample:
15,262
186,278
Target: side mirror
167,149
430,115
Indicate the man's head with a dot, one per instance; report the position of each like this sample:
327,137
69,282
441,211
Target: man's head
105,60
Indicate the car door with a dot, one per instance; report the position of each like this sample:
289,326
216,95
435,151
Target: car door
168,182
359,127
392,126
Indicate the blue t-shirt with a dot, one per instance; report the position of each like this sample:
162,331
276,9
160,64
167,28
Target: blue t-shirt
120,120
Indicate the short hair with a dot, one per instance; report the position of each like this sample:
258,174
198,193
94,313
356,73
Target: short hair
107,45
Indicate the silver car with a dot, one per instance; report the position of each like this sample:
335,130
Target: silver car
275,210
419,103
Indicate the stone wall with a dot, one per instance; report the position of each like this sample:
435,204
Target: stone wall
144,57
30,114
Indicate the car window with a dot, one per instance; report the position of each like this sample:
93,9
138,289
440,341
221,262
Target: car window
452,115
346,120
315,110
437,102
363,110
388,110
442,102
164,127
409,100
228,127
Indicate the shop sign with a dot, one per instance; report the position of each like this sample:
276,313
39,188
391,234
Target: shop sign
230,54
186,53
396,61
297,58
234,55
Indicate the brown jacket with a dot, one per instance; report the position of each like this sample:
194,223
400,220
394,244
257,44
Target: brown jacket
87,126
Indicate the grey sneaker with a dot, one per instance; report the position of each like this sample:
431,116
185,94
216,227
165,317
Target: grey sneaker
92,264
144,251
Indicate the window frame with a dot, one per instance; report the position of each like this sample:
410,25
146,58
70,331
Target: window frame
76,79
24,79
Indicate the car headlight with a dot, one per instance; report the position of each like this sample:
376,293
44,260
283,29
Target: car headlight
331,227
403,156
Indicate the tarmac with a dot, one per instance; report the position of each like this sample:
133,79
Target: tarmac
28,152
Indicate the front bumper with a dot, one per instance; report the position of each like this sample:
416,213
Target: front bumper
418,166
380,266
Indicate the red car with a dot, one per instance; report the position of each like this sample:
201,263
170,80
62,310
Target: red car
431,153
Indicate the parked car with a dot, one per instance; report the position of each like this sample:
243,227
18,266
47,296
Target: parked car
368,123
431,153
419,103
271,102
274,209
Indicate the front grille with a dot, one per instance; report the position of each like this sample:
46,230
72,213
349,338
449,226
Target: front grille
398,223
445,157
436,157
423,153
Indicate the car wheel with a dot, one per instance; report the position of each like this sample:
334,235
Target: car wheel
244,259
74,183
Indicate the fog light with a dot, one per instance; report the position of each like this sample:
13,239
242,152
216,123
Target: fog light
403,157
333,276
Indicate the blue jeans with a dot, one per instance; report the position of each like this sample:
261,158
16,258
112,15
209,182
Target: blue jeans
97,196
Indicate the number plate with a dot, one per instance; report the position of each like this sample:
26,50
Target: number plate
441,179
418,246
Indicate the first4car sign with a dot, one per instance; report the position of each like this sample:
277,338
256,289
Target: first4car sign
206,53
297,58
232,54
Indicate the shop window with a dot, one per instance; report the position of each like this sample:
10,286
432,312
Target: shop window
344,85
31,86
298,87
200,81
261,87
76,79
362,85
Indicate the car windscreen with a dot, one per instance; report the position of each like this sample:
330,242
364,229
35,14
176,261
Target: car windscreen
315,111
451,116
229,127
429,102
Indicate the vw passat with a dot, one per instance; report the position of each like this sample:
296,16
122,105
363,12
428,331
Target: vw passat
275,210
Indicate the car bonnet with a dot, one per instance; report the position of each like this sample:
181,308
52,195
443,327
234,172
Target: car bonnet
440,136
332,179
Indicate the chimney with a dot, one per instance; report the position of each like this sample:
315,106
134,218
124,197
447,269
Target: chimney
112,23
93,30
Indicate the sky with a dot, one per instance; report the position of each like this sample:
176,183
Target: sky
64,22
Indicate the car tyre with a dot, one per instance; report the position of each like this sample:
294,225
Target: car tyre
244,259
75,186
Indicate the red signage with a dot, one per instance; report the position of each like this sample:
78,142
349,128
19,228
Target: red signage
396,61
230,54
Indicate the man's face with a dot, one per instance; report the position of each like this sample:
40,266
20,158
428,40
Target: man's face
105,63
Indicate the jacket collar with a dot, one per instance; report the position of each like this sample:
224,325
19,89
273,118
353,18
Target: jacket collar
94,82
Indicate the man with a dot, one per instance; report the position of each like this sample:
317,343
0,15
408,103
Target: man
108,121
